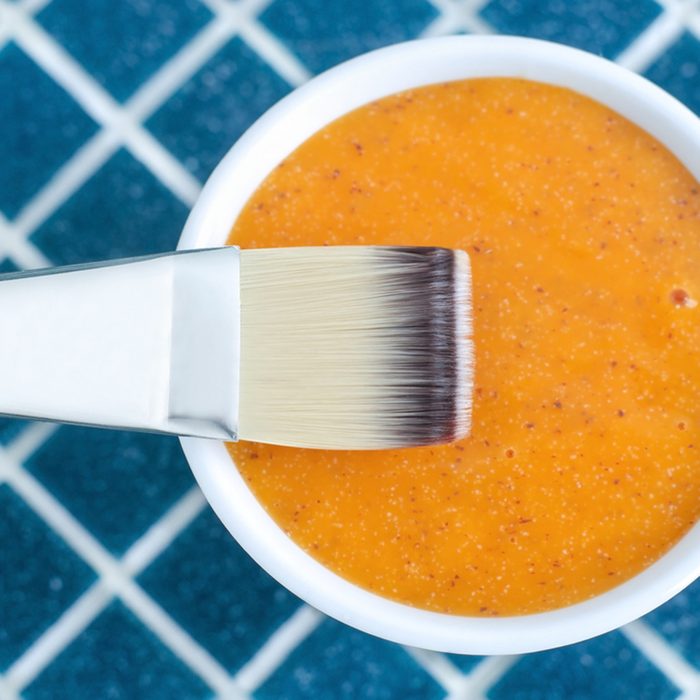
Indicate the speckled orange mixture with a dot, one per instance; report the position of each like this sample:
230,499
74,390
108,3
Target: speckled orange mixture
584,234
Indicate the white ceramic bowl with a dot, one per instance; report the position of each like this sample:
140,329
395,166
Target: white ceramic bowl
273,137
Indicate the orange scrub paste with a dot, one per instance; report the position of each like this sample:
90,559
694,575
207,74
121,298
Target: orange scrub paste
583,466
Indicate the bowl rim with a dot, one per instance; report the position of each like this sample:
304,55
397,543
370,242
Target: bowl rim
271,138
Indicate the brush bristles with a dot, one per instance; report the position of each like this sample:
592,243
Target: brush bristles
355,347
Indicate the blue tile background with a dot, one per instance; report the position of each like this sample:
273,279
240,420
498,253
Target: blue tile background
217,65
600,26
35,142
337,661
217,593
201,121
118,658
33,596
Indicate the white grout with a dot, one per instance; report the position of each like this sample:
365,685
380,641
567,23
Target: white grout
473,21
162,164
5,27
663,655
694,24
653,41
66,181
121,124
102,107
58,636
450,19
23,253
30,440
179,69
457,15
161,534
484,676
174,637
277,648
33,6
440,668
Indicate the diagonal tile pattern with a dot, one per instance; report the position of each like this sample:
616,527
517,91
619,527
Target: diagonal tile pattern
122,43
326,32
339,662
116,483
35,142
217,592
201,121
185,613
33,596
121,211
604,27
116,657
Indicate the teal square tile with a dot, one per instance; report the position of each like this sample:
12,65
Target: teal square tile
208,114
604,668
123,42
325,32
116,483
604,27
120,212
211,587
339,662
42,127
40,576
679,622
678,71
117,658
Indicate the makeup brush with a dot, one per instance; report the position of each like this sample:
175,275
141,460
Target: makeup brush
352,347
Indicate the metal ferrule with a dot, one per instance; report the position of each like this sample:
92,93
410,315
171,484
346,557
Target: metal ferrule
146,343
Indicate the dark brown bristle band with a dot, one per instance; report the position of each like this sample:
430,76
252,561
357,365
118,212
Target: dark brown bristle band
430,343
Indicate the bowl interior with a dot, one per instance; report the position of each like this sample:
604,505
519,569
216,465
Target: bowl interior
272,138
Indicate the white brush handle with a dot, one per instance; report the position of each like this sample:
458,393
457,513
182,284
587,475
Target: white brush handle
147,343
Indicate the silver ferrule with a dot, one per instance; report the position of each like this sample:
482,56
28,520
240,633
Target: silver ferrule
146,343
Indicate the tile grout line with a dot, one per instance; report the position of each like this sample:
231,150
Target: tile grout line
6,691
175,638
636,58
473,20
29,440
439,667
175,72
274,53
273,652
97,150
657,650
484,676
456,16
651,43
694,23
163,532
54,640
66,181
21,251
30,7
33,6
